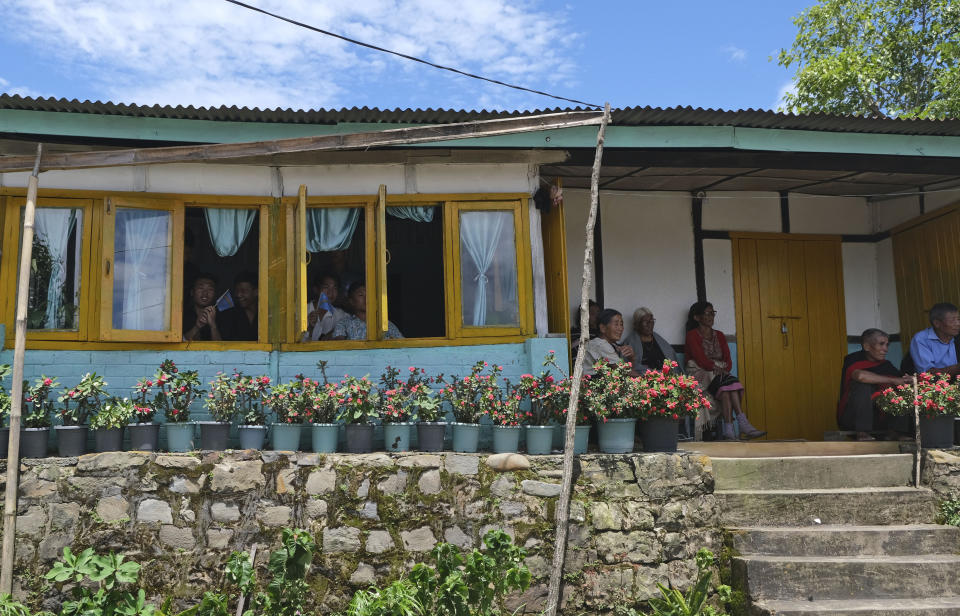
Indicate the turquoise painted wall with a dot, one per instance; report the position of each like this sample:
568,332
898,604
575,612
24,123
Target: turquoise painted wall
122,369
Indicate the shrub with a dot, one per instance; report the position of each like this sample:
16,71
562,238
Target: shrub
471,397
96,585
87,395
37,407
694,603
949,512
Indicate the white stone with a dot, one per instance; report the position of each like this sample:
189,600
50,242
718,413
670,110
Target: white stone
364,575
457,537
286,479
503,486
379,541
321,481
113,509
424,460
364,488
342,539
219,538
540,488
33,522
429,482
186,461
369,511
504,462
316,509
394,484
185,485
152,510
177,538
222,512
419,540
278,515
237,476
461,465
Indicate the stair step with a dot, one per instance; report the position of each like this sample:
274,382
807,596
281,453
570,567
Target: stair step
767,449
871,577
859,506
839,540
812,472
913,606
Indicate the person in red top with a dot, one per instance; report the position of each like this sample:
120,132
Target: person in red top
864,373
708,361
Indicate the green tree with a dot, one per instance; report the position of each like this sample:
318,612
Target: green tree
895,58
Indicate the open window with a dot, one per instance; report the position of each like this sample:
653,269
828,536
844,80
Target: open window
57,300
142,284
416,298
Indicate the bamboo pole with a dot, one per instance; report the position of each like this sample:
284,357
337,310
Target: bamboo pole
563,507
16,403
916,433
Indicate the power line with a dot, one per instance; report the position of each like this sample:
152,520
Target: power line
405,56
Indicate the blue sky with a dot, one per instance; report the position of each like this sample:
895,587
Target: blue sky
209,52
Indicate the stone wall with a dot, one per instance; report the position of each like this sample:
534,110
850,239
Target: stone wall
940,471
636,519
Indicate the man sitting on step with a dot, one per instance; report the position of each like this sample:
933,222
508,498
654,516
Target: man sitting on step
865,372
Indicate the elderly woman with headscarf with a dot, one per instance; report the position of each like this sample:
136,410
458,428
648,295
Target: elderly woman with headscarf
650,349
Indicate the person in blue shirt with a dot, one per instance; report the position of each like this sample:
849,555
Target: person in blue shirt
933,349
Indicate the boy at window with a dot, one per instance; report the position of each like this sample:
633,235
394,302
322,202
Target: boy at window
200,315
355,327
240,322
322,313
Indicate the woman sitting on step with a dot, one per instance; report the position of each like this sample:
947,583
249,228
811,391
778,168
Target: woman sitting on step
708,361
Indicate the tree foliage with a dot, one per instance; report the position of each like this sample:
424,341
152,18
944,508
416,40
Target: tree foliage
895,58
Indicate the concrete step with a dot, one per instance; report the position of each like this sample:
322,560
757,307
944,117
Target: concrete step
835,540
809,472
857,506
871,577
783,449
912,606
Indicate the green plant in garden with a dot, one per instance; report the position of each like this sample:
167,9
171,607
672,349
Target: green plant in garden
505,408
145,408
410,399
115,413
87,396
949,512
4,396
37,406
293,402
936,395
286,592
471,397
221,400
666,393
11,607
471,585
96,583
178,390
357,400
694,603
397,599
605,394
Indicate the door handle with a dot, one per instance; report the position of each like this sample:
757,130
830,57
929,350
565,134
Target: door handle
783,318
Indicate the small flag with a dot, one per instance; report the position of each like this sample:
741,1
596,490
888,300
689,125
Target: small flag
225,302
324,302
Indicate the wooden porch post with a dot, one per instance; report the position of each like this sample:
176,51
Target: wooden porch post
16,403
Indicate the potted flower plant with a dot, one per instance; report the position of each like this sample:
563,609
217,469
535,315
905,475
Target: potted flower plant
144,433
221,402
396,410
37,408
661,398
358,408
292,404
557,400
606,396
108,424
470,398
251,392
178,390
4,411
426,406
539,419
939,401
506,416
325,431
86,400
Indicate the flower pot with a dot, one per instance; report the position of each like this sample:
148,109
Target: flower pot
506,439
430,435
466,437
214,435
396,436
659,434
359,438
179,437
936,432
539,440
143,436
33,442
251,437
325,437
71,440
285,437
4,441
108,439
580,439
616,435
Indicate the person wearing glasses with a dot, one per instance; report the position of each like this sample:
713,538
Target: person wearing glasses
933,349
708,361
649,348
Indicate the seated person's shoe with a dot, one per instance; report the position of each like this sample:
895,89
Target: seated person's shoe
727,434
747,430
745,436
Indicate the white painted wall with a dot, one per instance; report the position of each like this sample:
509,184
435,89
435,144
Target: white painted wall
892,212
938,199
860,287
888,314
829,215
742,211
718,272
576,207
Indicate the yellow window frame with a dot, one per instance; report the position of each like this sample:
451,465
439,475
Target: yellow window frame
10,266
524,267
175,283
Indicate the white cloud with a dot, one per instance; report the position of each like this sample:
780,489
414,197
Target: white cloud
209,52
7,88
734,53
787,88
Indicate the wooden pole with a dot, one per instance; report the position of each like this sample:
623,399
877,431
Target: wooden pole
16,403
563,507
916,432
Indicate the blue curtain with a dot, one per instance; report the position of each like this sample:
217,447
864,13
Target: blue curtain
228,228
413,212
330,229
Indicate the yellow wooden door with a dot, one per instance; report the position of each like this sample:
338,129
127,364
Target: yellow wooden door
791,332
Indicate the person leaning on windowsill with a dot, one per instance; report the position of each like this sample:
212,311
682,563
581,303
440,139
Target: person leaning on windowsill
200,315
933,349
355,327
323,315
864,373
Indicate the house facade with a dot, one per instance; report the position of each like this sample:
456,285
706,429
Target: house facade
802,231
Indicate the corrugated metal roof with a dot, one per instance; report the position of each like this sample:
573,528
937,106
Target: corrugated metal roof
627,116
